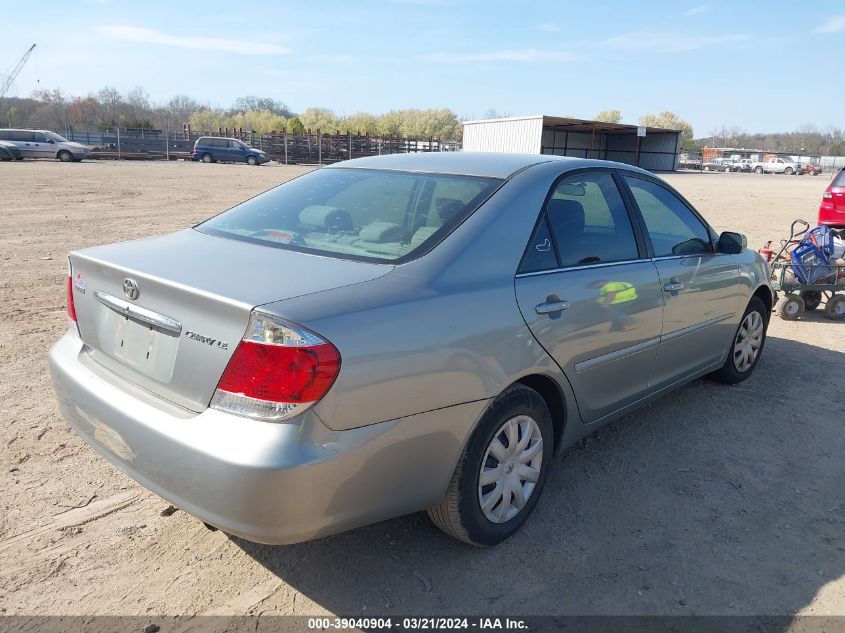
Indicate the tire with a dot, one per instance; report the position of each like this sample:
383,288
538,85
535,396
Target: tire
790,307
812,299
207,158
460,513
727,169
746,346
707,168
758,170
788,171
65,156
834,309
251,160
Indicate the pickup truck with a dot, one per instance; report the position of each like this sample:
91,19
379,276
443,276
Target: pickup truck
777,166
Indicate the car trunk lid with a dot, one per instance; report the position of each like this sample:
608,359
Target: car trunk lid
166,313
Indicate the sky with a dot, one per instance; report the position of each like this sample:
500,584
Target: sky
762,67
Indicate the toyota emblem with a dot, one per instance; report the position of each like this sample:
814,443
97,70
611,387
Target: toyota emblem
130,289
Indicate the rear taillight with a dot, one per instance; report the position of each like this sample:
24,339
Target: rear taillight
71,309
827,195
278,371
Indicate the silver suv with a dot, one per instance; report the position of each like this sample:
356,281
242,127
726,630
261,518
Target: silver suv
45,144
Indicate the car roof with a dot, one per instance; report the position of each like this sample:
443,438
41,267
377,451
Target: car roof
485,164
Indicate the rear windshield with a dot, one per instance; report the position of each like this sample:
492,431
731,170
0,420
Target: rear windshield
356,213
839,181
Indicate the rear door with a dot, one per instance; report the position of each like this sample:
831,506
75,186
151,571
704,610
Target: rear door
590,295
23,139
700,287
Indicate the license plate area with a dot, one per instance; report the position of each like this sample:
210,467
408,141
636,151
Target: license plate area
146,349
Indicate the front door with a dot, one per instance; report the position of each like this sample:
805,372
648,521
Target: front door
590,296
700,286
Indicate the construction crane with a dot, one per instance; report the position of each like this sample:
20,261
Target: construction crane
15,71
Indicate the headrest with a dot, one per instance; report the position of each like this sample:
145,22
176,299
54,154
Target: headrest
381,232
447,208
325,219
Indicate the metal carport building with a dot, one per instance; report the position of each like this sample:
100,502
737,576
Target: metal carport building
658,150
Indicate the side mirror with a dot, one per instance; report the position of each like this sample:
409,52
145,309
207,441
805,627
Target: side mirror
732,243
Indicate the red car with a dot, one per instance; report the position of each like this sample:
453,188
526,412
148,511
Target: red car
811,169
832,208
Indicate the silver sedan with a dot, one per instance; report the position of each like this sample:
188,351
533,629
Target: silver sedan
399,333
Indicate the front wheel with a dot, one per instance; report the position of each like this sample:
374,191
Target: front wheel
747,346
788,171
251,160
790,307
758,170
65,156
502,471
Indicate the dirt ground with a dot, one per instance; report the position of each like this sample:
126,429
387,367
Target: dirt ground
712,500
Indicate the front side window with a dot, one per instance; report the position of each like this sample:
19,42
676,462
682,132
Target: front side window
672,227
39,137
357,213
589,221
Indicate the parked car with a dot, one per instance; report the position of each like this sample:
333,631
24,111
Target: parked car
811,169
9,151
398,333
744,164
213,149
719,164
778,166
832,208
45,144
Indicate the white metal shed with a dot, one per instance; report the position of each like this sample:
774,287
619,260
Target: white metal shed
658,150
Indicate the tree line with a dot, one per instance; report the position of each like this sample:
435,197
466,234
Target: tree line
52,109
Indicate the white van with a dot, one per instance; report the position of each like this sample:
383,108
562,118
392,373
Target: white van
45,144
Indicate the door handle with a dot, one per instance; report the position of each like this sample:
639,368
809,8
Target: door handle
673,286
551,306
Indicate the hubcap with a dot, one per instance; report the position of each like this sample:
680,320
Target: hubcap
749,339
510,469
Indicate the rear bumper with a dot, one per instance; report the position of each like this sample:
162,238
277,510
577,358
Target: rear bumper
270,483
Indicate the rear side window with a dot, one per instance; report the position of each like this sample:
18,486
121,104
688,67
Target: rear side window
671,226
4,135
839,180
589,221
356,213
20,135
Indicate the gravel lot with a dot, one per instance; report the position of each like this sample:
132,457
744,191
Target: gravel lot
712,500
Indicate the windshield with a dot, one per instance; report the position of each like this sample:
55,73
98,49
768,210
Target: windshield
356,213
56,137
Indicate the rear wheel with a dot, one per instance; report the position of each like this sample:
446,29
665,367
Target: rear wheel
502,471
65,156
707,168
790,307
758,170
812,299
727,169
748,342
834,309
207,158
251,160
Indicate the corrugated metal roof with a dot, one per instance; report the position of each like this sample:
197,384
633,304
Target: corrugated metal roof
579,125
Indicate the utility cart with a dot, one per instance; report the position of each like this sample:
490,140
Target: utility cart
802,272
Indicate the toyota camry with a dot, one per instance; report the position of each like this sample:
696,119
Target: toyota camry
399,333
